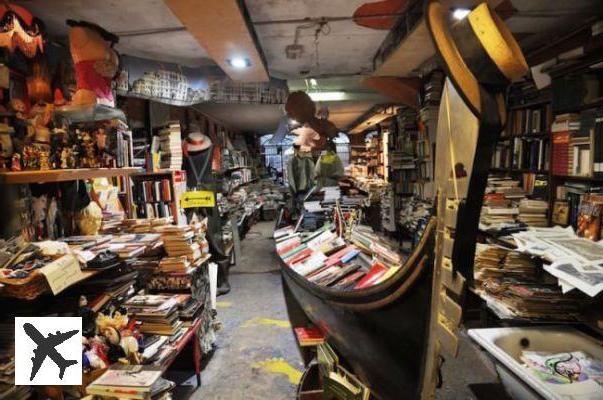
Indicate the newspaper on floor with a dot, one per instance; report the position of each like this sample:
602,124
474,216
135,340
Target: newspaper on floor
577,262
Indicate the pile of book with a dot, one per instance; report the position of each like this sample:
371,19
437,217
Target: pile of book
499,208
326,259
179,241
132,382
169,144
533,212
158,313
309,336
508,281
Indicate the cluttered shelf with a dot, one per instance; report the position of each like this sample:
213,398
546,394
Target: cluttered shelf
581,107
243,184
232,169
62,175
578,178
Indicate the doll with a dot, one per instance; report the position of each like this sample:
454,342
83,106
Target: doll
115,352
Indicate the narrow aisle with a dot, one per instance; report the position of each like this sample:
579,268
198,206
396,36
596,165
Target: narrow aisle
257,355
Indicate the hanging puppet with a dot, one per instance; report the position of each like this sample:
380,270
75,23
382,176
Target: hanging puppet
20,30
96,62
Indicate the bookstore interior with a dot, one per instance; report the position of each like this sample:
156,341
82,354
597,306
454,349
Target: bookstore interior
301,199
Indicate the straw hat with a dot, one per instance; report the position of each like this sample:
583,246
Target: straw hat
478,53
196,141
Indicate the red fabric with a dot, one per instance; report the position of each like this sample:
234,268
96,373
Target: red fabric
22,12
89,79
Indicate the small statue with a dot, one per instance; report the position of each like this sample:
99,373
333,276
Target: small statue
65,155
15,164
43,158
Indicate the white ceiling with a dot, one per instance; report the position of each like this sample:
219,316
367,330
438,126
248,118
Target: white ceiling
124,17
348,49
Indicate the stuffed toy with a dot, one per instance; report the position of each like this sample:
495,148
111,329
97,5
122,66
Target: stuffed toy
96,63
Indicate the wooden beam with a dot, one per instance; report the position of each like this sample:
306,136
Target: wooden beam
400,90
221,28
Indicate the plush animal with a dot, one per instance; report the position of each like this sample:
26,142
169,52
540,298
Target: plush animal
95,61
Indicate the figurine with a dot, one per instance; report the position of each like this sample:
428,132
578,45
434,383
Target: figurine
43,157
65,155
15,164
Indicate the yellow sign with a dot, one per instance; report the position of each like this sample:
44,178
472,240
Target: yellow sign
198,198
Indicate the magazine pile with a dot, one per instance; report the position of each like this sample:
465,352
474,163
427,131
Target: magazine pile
576,262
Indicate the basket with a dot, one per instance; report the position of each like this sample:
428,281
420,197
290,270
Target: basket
26,288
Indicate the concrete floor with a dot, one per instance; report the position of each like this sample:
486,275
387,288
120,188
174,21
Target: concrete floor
257,356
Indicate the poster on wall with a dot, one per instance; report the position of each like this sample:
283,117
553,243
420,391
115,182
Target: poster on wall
163,82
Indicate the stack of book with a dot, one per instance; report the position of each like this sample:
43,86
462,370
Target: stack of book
157,313
508,187
309,336
131,382
533,212
180,242
170,145
508,281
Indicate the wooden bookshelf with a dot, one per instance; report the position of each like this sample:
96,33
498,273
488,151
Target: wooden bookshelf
63,175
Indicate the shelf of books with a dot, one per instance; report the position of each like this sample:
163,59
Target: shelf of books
157,194
547,172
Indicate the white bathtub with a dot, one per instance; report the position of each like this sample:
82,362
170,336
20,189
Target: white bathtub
506,344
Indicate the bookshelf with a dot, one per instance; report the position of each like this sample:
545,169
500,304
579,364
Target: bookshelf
157,194
561,117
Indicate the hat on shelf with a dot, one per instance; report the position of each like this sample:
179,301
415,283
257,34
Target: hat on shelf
478,52
196,141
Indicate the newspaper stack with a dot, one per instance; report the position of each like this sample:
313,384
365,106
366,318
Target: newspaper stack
576,262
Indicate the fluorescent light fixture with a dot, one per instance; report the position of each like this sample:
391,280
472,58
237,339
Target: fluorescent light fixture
239,62
460,13
327,96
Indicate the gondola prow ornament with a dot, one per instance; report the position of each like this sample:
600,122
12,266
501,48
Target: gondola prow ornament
481,58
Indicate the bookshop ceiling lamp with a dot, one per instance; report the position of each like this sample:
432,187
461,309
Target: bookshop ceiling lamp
460,13
239,62
327,96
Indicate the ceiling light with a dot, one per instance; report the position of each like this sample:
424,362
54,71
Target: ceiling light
327,96
460,13
239,62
